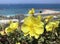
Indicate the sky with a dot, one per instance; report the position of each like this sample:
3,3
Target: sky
29,1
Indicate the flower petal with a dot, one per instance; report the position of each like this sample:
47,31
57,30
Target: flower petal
39,30
31,32
8,30
14,25
25,29
49,27
36,36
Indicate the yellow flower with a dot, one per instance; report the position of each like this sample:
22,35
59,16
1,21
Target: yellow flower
31,19
26,21
29,12
2,33
51,25
8,30
48,18
39,28
32,11
33,27
39,18
25,28
14,25
57,23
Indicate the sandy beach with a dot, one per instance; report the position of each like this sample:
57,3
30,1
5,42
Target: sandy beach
45,12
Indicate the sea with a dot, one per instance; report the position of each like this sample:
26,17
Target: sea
15,9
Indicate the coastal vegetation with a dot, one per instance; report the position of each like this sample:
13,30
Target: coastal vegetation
34,30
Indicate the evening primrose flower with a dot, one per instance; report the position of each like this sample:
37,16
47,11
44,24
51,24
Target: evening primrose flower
32,20
52,25
48,18
31,12
57,23
32,26
8,30
49,27
39,17
12,27
29,22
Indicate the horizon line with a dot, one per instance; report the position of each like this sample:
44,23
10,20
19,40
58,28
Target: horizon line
31,3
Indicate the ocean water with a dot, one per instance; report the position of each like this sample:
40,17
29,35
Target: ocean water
14,9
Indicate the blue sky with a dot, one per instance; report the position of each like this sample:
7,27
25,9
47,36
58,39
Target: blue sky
28,1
